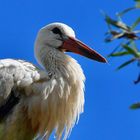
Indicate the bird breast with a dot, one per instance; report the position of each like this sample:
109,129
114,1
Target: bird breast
61,101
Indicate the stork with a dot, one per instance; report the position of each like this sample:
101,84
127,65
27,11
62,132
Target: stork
37,101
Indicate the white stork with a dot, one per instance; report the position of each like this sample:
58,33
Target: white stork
39,101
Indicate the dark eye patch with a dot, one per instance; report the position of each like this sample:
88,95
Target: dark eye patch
56,31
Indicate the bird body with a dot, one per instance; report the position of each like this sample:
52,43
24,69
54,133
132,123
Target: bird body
40,100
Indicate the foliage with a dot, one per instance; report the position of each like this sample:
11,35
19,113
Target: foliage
135,106
129,36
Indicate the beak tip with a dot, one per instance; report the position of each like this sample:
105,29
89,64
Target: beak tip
104,60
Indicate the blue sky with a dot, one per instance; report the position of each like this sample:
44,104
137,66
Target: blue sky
108,93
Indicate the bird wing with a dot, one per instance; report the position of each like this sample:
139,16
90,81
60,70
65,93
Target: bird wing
15,74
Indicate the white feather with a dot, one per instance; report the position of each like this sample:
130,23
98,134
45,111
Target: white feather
51,99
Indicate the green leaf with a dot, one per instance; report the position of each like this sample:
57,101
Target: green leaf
137,3
126,63
131,50
118,24
114,36
118,54
133,44
135,106
135,23
125,11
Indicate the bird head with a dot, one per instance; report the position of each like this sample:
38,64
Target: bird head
62,37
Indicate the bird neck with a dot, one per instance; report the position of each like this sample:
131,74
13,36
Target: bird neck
57,63
65,90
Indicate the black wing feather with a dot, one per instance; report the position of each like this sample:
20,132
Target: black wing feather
7,107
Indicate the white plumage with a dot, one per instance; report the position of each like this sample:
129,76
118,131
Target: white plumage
36,101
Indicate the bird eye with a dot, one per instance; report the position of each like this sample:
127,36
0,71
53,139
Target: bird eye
56,31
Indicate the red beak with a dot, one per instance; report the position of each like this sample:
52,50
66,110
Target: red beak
76,46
